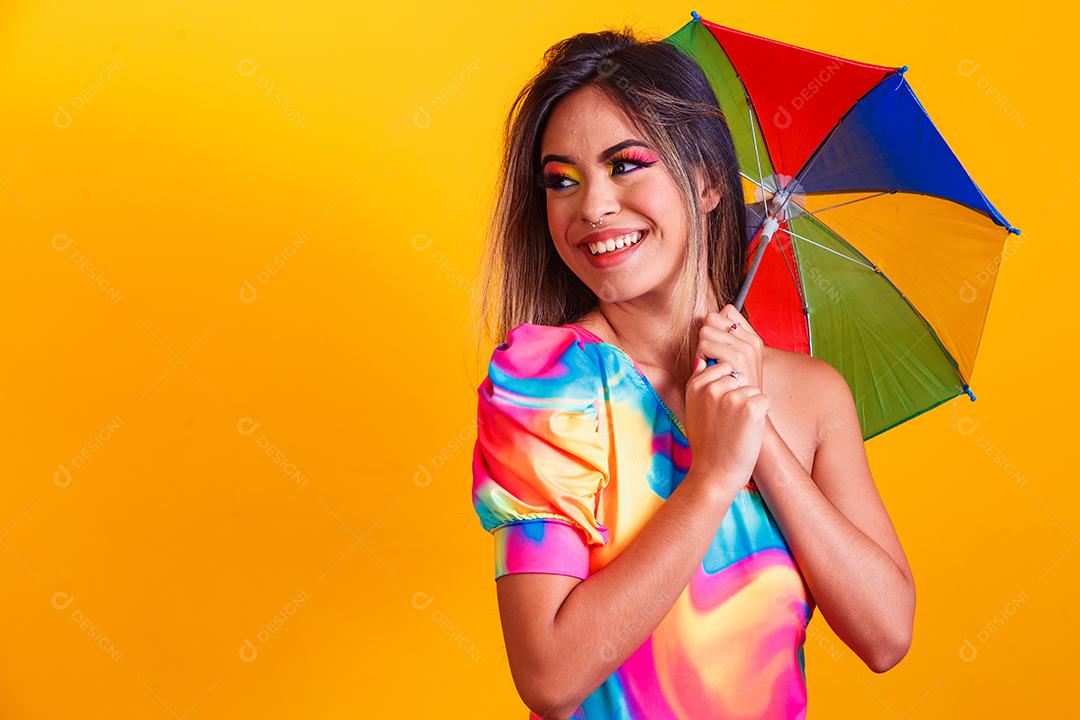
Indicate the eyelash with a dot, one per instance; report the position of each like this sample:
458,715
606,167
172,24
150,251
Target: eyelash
551,180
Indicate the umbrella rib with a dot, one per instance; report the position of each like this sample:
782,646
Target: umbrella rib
750,206
817,244
846,202
791,268
757,155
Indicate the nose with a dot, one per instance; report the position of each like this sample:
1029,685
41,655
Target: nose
600,199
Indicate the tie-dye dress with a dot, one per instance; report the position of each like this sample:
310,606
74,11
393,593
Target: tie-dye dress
575,451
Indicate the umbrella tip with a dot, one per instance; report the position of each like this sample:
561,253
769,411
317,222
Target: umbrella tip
969,393
693,14
1014,230
901,70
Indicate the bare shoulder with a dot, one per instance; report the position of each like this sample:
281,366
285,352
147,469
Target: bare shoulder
808,388
799,366
794,372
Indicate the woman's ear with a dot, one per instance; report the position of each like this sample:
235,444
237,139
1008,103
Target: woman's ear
708,194
710,198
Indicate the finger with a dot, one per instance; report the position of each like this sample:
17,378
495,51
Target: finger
748,391
720,372
722,322
714,373
718,320
720,344
730,316
720,385
725,337
701,364
730,313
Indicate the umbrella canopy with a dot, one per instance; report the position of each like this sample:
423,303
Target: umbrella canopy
871,246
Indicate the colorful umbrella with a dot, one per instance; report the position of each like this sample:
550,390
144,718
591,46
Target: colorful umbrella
883,252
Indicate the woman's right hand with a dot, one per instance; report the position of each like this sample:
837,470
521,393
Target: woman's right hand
725,425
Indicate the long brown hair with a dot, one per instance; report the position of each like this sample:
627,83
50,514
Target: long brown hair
670,102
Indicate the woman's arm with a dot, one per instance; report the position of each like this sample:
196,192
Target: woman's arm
565,636
838,529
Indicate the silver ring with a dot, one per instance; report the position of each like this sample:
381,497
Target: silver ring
735,374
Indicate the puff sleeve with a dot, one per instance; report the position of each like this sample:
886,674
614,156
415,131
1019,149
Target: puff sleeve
541,454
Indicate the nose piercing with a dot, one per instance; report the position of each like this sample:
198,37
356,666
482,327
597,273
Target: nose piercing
598,222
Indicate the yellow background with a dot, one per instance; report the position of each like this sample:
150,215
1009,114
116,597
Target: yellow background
238,376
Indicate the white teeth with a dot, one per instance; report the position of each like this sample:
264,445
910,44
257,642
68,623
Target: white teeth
615,243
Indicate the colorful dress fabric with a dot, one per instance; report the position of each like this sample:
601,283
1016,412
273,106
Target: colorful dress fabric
575,452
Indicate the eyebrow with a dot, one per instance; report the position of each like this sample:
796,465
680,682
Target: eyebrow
602,157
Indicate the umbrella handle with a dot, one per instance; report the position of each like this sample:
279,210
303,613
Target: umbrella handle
767,229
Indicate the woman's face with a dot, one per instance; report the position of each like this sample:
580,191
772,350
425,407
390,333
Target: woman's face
595,165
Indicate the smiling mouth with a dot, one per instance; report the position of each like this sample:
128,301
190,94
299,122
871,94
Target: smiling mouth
613,244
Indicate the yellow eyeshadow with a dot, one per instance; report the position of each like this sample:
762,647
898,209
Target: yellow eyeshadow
563,169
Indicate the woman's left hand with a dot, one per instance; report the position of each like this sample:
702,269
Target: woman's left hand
742,347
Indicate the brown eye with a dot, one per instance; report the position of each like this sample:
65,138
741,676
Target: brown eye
638,164
553,180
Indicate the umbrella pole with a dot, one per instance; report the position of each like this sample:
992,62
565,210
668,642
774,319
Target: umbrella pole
767,231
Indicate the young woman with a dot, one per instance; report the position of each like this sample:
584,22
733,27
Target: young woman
636,579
